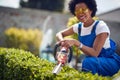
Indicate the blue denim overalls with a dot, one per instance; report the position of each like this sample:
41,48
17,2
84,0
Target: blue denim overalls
107,63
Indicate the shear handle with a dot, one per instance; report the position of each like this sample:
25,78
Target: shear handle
69,56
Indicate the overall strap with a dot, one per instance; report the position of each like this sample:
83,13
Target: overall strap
94,27
79,28
80,24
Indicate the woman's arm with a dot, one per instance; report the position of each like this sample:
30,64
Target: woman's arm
91,51
97,46
60,35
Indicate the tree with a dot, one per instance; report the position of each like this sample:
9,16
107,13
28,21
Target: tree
52,5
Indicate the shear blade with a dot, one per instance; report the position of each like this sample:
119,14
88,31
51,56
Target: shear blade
57,69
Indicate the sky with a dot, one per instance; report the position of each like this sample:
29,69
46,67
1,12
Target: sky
103,5
107,5
10,3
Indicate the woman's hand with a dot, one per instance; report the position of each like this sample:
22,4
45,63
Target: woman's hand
69,42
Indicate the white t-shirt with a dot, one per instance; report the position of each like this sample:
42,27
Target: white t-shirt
101,27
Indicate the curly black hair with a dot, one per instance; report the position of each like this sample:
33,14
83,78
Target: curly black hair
91,4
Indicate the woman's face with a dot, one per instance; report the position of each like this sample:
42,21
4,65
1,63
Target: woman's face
82,12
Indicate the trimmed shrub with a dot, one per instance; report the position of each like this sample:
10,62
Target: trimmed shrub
17,64
26,39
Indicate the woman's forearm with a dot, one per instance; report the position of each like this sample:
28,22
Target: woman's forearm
86,50
90,51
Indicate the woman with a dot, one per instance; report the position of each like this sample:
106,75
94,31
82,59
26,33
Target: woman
94,39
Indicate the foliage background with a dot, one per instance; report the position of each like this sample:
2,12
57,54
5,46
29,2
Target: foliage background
26,39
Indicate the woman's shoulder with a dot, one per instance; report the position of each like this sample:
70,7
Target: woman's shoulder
101,22
75,27
102,27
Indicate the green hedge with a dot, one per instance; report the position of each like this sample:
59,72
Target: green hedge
17,64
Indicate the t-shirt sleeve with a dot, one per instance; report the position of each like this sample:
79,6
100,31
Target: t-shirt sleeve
102,27
75,28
